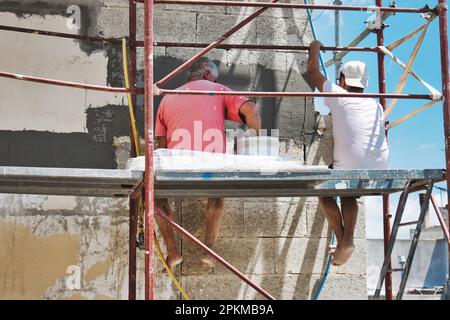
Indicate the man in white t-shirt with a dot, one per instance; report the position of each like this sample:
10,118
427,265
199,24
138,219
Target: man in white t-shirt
359,141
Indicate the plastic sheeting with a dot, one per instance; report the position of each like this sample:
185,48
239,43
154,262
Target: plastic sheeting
186,160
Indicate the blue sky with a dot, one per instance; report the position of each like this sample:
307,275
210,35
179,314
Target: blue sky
419,142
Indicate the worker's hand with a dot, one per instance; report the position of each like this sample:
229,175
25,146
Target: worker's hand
316,45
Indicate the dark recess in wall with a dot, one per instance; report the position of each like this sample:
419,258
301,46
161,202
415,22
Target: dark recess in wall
93,149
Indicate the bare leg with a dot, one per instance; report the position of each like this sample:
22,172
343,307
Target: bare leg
213,216
173,254
333,214
349,215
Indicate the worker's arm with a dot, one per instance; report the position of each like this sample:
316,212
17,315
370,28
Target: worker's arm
162,142
250,116
313,68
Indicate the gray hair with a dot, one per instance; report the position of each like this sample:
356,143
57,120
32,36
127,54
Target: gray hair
200,66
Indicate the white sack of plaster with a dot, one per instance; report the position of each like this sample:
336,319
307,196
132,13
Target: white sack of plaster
185,160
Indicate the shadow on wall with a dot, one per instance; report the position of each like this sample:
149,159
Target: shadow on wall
268,240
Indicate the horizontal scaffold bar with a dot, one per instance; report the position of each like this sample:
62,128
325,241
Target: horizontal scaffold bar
60,34
291,6
76,85
163,92
256,47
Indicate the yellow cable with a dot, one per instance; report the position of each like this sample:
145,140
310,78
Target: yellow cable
169,272
138,152
130,103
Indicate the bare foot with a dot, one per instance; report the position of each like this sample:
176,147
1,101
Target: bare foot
331,249
172,262
208,262
342,254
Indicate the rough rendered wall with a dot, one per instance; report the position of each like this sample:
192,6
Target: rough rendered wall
48,242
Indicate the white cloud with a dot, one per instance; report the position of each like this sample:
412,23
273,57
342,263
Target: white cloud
426,146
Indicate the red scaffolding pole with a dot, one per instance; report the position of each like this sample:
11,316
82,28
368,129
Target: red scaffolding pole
386,211
135,198
442,10
272,4
149,148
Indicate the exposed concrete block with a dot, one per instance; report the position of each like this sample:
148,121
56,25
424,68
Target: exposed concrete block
320,151
164,288
272,60
274,219
111,22
296,63
217,287
211,26
292,120
232,225
341,287
309,256
250,256
230,287
292,201
116,3
310,119
283,287
194,8
238,10
297,14
360,229
357,264
241,57
298,255
140,55
318,226
292,148
237,77
122,146
186,53
170,26
175,26
280,31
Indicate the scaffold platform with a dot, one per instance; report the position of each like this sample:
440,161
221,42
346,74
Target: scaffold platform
175,183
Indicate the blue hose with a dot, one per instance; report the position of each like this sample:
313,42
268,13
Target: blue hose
315,38
325,274
333,236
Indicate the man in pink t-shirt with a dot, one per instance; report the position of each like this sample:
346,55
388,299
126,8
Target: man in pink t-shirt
197,122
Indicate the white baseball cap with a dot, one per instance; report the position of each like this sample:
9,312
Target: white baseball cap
355,73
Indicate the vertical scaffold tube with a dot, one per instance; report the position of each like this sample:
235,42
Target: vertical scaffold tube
149,148
386,211
443,29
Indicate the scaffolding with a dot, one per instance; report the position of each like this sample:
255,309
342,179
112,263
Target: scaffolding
151,184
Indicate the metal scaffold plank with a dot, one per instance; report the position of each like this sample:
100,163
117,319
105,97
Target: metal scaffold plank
233,183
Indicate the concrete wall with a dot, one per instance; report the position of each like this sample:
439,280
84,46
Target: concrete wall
76,248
